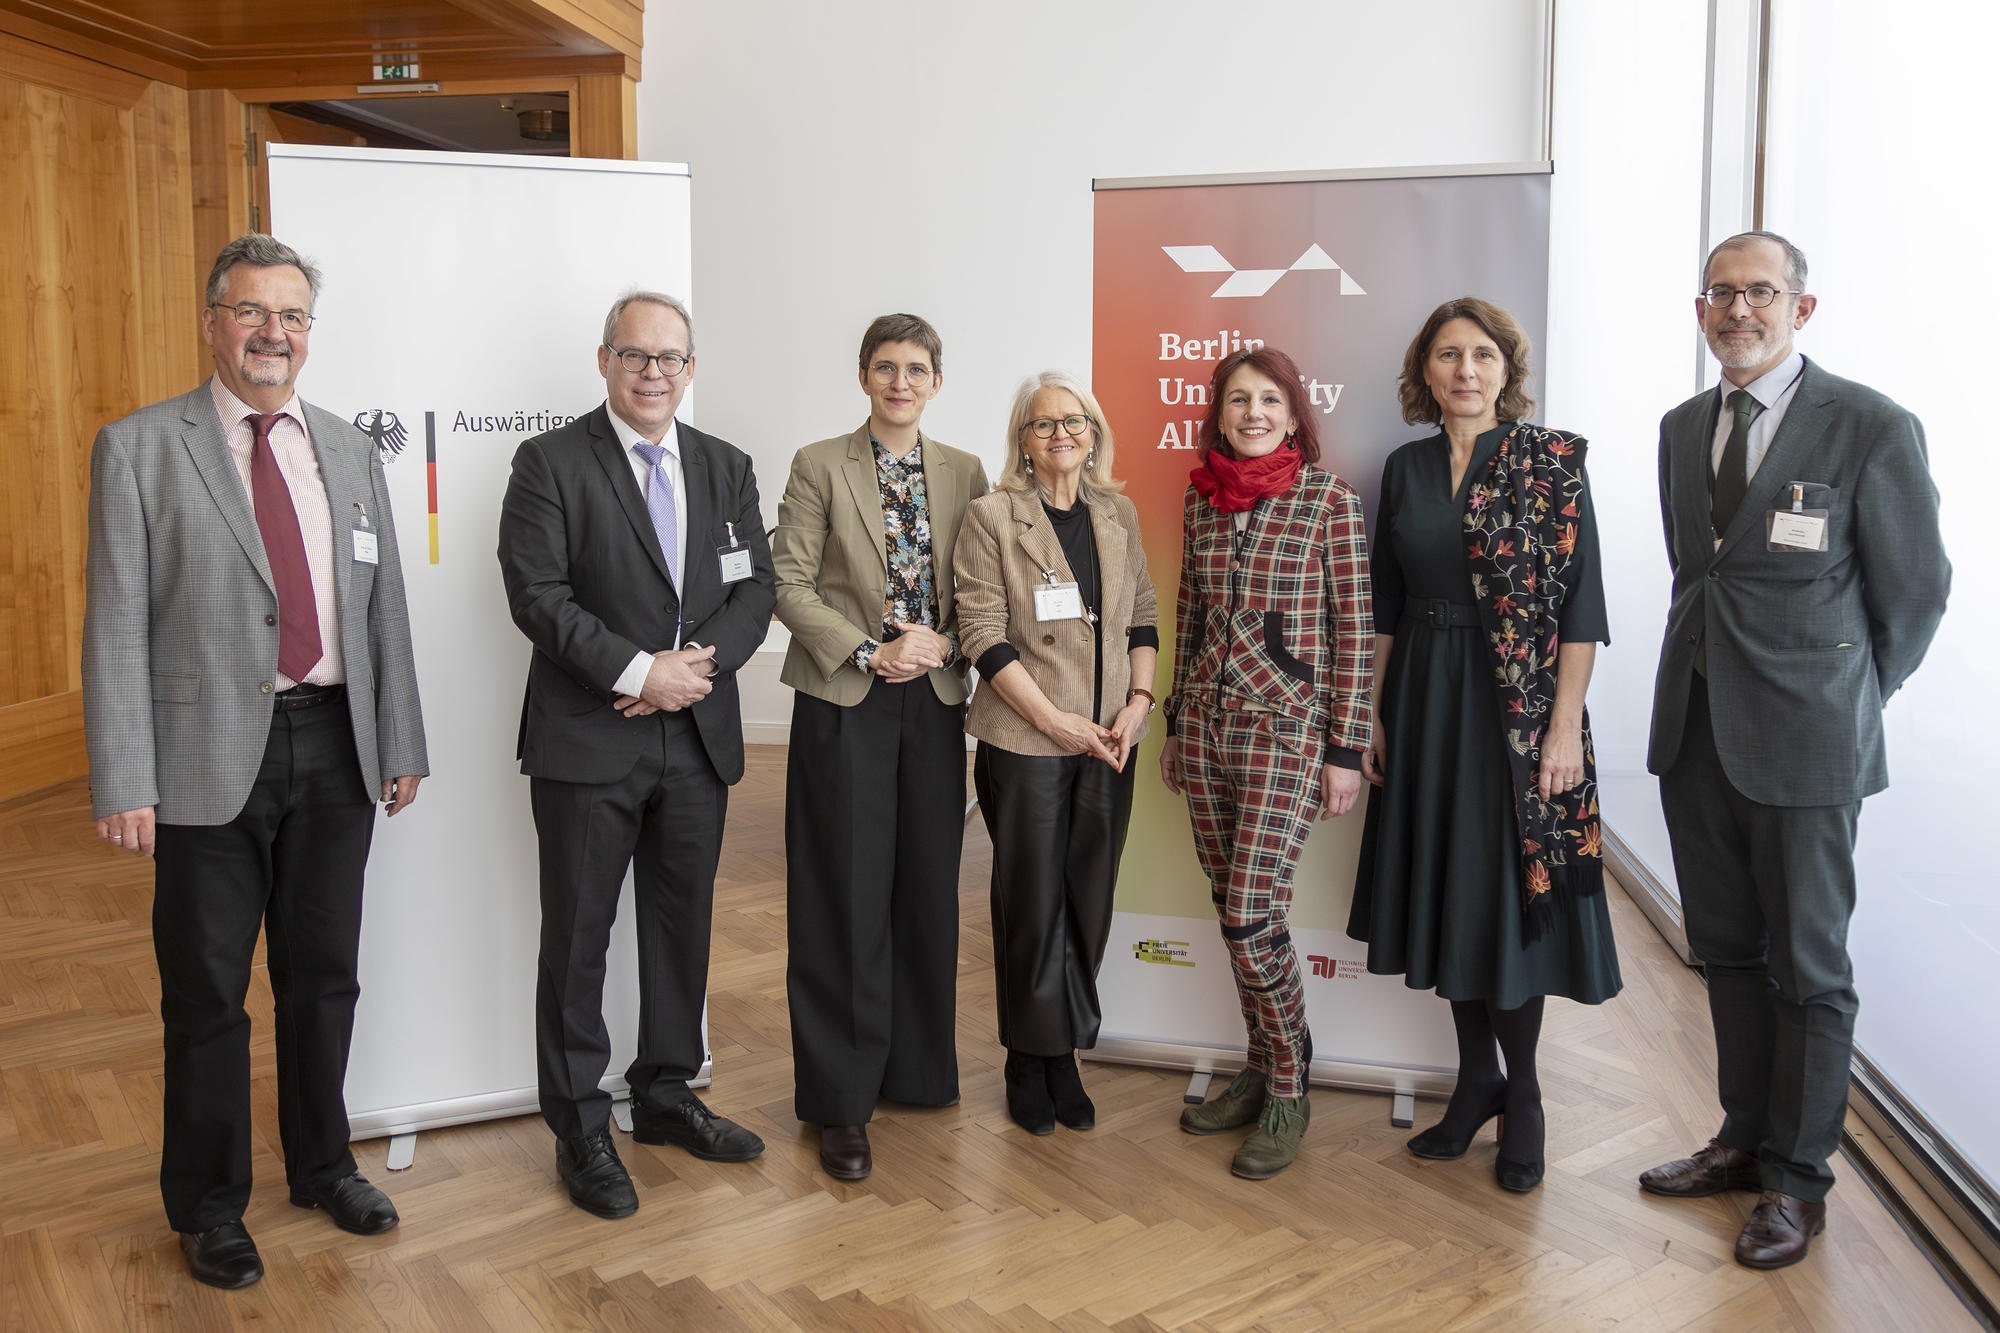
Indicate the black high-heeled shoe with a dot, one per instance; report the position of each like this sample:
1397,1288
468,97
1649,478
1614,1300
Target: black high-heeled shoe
1028,1102
1522,1174
1074,1109
1437,1143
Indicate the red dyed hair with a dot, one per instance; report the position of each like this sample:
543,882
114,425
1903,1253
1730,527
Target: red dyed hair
1274,365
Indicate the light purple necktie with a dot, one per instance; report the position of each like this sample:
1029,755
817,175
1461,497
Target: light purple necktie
660,504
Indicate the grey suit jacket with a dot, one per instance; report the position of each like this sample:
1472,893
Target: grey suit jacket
180,638
832,560
1803,646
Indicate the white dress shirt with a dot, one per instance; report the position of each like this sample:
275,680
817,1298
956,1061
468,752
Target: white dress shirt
299,466
633,679
1775,391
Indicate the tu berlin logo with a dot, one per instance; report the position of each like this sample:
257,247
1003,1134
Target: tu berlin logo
1256,281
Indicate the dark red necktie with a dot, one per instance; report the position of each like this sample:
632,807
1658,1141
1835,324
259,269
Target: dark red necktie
299,648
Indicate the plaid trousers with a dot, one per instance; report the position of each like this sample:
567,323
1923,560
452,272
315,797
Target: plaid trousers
1252,782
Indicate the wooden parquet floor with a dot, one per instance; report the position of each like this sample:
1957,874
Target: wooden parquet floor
968,1223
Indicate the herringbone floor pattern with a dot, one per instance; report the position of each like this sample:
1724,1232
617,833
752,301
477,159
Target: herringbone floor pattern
967,1223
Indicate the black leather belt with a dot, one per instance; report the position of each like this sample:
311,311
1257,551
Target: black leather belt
1440,614
306,696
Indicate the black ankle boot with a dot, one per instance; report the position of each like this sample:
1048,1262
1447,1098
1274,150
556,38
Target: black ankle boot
1028,1102
1073,1105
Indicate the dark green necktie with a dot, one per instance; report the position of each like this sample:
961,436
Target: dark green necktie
1732,475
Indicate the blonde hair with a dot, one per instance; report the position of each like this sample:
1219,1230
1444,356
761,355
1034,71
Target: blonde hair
1097,481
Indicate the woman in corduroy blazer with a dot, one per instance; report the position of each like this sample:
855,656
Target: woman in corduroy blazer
1058,614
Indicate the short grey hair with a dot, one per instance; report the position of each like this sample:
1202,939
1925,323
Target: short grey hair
261,251
1096,479
650,298
1795,258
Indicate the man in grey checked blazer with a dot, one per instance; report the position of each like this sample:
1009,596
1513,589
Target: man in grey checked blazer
236,533
1809,576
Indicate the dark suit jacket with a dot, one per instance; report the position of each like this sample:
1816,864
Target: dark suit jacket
1803,647
587,584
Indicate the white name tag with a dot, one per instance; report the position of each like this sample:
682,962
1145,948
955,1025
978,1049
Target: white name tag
364,547
1058,601
736,564
1802,532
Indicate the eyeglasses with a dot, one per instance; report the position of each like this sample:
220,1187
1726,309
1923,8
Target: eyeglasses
886,373
1045,427
1757,295
256,316
636,361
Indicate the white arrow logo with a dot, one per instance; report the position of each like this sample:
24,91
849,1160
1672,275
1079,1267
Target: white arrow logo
1255,281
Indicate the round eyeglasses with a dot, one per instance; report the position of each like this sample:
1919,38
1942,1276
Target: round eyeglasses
1045,427
636,361
1757,295
887,372
256,317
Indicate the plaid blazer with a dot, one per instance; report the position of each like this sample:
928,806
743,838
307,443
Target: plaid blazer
1280,614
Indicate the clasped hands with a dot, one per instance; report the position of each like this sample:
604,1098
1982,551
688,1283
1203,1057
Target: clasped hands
915,650
1112,744
677,678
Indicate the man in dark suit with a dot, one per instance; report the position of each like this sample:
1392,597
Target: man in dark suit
248,688
634,556
1809,576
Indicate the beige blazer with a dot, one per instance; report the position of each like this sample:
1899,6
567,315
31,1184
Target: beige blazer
832,561
1004,552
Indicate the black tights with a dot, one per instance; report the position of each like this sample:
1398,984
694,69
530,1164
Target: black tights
1485,1034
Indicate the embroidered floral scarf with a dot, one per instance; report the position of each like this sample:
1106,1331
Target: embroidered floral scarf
1522,520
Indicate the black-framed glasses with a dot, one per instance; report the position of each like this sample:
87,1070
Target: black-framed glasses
636,361
886,373
253,316
1045,427
1757,295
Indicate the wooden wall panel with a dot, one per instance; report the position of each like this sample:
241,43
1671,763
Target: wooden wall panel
604,119
96,299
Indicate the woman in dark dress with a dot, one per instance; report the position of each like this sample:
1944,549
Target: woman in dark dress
1481,872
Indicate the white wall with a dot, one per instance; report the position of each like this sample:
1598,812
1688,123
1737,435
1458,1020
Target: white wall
853,160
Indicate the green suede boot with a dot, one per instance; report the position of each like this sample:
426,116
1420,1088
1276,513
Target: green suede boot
1273,1145
1236,1107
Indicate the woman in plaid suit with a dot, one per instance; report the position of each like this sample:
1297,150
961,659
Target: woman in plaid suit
1269,715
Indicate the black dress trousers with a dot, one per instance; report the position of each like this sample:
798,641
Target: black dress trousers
293,860
874,822
1768,891
663,819
1058,825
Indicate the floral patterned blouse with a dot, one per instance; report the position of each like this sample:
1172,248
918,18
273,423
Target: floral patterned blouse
906,528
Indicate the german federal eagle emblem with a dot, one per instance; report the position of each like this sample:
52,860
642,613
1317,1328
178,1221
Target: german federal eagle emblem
386,429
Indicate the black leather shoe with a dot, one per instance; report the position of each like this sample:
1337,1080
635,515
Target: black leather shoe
352,1203
223,1257
1028,1102
597,1180
691,1125
1447,1141
1780,1230
1074,1109
1710,1171
844,1152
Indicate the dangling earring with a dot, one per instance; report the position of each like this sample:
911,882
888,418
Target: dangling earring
1090,459
1292,439
1028,464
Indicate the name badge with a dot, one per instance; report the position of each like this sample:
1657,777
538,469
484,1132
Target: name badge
1804,531
735,558
364,547
1058,601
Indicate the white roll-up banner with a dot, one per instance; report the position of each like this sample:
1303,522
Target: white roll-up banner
463,303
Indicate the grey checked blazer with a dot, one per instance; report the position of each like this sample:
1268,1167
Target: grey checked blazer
180,641
1803,646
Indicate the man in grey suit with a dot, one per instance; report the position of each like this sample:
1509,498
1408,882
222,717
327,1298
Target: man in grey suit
1808,578
248,689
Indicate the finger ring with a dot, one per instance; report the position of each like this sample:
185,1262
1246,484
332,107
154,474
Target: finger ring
117,837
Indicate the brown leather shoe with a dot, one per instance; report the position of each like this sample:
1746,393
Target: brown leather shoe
843,1151
1778,1232
1710,1171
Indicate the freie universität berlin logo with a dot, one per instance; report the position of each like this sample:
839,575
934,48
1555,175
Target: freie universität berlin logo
386,429
1255,281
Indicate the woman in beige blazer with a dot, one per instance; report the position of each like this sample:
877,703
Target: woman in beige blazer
1057,613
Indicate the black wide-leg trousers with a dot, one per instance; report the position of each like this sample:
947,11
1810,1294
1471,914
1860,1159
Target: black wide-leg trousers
1058,825
663,819
1767,891
292,861
874,823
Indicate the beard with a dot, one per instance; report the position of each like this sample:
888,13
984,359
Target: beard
1742,355
258,372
